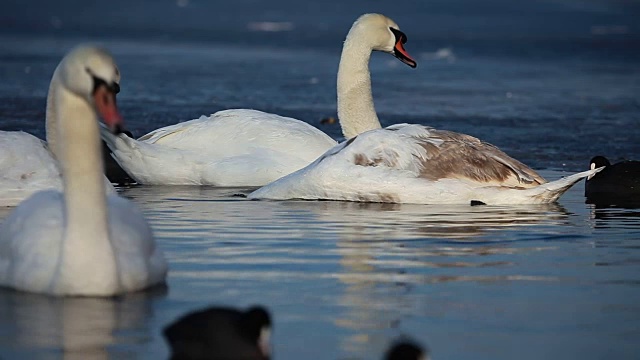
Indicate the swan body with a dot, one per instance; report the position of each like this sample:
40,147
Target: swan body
80,241
237,147
416,164
242,147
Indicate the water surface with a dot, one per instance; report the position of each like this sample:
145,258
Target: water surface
344,279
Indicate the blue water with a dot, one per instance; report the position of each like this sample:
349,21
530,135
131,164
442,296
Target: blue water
552,83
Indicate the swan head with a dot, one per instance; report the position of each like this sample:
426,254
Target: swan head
383,34
91,73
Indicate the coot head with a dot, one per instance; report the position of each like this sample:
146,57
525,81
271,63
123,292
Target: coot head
221,333
406,350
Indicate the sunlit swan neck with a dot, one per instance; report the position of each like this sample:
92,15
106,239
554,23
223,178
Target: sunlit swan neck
355,102
51,123
86,246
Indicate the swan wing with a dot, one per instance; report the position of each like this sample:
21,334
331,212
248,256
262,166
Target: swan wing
447,154
435,155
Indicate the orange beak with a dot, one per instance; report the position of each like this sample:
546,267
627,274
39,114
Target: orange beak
398,49
403,55
105,101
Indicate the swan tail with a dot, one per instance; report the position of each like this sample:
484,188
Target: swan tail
551,191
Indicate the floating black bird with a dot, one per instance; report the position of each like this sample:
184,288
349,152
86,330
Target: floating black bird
221,333
406,350
617,184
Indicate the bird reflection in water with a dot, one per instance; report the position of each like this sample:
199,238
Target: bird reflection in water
619,217
384,251
388,248
40,326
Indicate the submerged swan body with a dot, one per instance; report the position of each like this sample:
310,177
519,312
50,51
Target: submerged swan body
81,241
242,147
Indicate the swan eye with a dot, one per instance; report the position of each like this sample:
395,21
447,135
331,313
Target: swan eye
400,36
97,82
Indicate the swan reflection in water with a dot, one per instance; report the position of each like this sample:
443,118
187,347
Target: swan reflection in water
39,326
382,252
388,249
375,221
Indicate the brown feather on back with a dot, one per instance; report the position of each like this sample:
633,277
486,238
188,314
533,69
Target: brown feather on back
454,155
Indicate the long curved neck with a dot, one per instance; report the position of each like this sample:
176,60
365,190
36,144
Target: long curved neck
81,164
51,120
355,100
86,243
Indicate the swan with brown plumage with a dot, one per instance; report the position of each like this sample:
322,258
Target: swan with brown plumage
406,163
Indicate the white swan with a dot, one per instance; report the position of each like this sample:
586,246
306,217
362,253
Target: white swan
242,147
411,163
416,164
81,241
29,165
